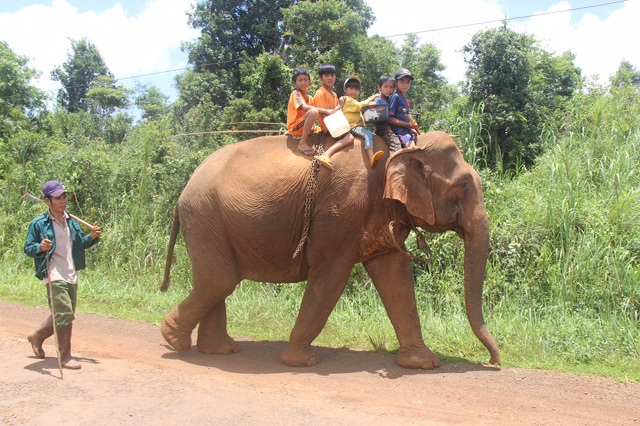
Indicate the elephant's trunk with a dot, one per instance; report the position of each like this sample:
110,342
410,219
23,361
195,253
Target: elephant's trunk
476,245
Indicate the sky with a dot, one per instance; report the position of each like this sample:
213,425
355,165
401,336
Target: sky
140,39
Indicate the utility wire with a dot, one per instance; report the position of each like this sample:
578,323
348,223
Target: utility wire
453,27
387,36
420,32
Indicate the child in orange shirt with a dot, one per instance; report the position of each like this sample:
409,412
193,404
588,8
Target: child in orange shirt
326,100
301,115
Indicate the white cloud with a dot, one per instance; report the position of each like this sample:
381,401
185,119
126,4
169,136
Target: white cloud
430,18
130,45
599,44
149,41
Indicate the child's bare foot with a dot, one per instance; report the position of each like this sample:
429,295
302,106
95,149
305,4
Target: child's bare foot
376,158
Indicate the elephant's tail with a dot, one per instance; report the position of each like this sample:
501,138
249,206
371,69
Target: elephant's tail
172,242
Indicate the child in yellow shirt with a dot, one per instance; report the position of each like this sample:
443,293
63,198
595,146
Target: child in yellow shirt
352,110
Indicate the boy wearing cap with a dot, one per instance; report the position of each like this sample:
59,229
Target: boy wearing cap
352,110
57,245
400,110
326,100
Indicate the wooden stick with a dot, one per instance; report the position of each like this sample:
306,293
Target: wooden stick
87,224
53,316
38,200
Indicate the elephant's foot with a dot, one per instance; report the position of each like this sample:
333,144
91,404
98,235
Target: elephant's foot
418,358
178,339
224,346
299,357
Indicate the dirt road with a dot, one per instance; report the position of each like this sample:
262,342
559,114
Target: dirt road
129,376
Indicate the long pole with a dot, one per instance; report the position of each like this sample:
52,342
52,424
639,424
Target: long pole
38,200
53,315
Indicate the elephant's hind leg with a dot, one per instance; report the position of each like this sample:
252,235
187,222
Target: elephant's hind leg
177,326
212,332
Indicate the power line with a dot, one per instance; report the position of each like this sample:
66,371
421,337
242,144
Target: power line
417,32
507,19
387,36
177,69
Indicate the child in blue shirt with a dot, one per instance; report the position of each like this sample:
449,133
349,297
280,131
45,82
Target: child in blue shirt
399,109
386,87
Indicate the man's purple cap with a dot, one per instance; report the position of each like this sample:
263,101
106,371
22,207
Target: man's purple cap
53,189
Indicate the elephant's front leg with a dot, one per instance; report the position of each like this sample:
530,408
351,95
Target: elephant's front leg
391,274
320,297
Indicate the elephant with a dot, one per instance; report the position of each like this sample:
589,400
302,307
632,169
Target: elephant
242,216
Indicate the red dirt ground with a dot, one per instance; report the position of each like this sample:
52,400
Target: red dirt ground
130,376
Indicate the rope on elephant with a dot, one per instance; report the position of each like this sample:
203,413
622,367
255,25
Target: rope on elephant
310,198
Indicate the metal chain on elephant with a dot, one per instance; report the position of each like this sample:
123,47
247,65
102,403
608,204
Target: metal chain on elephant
312,185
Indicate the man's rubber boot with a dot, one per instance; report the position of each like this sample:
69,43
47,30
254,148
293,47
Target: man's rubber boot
40,335
64,340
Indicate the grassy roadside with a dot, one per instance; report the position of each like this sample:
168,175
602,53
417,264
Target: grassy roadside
562,290
528,338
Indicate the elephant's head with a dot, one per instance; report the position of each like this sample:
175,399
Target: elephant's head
441,192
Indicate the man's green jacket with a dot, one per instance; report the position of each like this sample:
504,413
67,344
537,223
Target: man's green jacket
42,227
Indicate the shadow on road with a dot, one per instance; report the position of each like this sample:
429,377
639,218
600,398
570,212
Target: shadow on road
262,357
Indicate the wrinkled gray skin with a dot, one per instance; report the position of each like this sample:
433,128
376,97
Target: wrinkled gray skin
242,216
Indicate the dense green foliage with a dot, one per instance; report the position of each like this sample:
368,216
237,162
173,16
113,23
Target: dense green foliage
18,98
521,87
78,74
563,280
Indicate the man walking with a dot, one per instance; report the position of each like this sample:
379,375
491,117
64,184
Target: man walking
57,245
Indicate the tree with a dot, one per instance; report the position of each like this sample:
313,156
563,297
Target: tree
18,98
231,32
556,79
247,49
429,91
324,31
152,102
78,74
200,88
104,97
626,75
267,81
104,100
233,29
518,84
377,56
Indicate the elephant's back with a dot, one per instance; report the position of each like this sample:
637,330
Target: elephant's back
255,159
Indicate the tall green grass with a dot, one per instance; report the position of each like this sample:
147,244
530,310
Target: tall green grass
563,281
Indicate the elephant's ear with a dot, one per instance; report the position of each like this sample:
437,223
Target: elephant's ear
406,181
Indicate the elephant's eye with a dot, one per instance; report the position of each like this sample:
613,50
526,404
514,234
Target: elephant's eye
423,170
462,189
465,187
